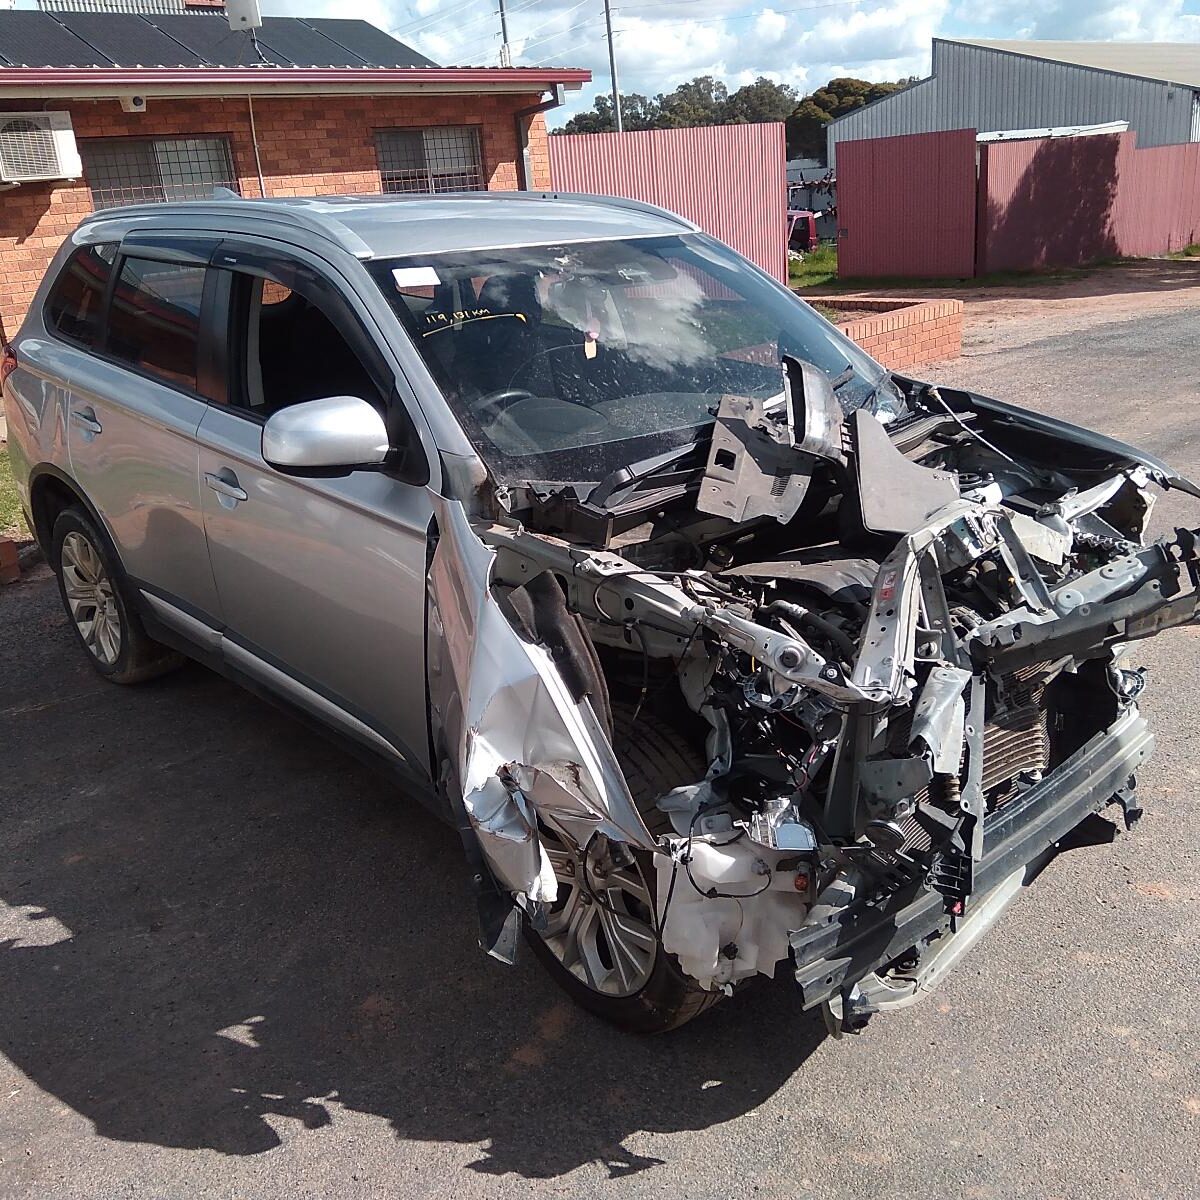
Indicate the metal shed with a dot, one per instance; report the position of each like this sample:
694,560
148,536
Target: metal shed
990,85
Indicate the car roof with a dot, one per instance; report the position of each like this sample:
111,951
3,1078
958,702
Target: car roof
391,226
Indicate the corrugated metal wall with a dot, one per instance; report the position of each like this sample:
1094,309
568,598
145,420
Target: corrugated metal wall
1157,204
906,206
730,179
1056,202
992,90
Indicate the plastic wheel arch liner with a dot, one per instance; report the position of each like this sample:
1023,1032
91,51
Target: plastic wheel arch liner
520,745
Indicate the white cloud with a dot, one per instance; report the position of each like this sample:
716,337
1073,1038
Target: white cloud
662,43
769,25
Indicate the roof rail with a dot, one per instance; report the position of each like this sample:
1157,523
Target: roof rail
297,216
622,202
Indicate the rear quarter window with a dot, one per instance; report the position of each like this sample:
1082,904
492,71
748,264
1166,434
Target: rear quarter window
76,301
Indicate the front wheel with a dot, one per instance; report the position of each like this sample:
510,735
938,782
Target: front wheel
600,942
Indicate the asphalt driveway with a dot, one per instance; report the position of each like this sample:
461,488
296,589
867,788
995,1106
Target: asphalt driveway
234,964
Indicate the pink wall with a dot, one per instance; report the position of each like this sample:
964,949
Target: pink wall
1061,202
913,206
729,179
906,205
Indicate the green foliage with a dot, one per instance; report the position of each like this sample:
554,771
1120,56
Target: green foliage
701,101
12,523
806,126
817,268
707,101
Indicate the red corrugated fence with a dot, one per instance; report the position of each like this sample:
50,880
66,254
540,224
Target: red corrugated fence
916,206
730,179
1061,202
906,205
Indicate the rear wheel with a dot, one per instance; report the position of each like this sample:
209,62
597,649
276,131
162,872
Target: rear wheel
93,593
601,938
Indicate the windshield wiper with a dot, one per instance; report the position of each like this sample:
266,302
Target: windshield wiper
624,478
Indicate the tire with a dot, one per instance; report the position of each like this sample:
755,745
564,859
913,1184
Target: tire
97,602
655,759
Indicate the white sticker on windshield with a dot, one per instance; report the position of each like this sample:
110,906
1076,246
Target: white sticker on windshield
415,277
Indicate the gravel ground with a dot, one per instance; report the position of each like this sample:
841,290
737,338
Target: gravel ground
233,964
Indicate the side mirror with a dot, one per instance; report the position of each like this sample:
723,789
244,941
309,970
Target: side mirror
338,431
816,412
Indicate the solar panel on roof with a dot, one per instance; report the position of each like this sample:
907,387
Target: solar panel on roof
304,46
129,39
35,39
214,42
371,44
98,39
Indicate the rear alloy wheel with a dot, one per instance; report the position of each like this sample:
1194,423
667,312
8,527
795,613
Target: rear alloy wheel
88,593
104,620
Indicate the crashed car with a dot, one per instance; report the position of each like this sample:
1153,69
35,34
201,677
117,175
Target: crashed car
725,650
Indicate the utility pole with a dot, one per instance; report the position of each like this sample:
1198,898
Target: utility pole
505,52
612,69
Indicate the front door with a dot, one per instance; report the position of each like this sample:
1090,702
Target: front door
321,579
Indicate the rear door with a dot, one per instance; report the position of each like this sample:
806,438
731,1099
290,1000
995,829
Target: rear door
137,397
321,576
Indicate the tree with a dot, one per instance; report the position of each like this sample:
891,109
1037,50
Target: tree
707,101
700,101
762,100
806,125
637,112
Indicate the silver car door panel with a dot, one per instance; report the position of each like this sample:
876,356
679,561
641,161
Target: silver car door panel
323,575
133,451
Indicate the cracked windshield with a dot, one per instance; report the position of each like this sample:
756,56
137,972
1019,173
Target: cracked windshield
564,362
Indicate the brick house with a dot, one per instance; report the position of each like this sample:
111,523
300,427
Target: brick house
307,106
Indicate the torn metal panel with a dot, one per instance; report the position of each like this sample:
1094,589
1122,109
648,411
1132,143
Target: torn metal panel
753,467
507,716
894,495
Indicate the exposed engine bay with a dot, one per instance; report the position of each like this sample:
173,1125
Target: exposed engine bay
895,652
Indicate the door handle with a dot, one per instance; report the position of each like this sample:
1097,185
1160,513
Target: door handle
225,483
85,418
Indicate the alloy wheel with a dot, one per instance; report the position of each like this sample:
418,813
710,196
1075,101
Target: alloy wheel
90,598
601,927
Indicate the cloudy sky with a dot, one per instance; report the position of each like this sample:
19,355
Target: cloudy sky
661,43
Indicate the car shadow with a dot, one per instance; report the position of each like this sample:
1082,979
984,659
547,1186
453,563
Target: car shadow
215,922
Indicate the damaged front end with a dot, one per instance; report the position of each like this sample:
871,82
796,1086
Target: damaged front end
894,654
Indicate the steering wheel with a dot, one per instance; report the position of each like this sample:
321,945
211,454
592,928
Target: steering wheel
494,403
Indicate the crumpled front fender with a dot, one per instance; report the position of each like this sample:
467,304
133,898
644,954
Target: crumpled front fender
519,744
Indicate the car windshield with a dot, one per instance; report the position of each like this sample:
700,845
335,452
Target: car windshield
566,362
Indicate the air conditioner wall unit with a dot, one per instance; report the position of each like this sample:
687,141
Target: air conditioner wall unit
38,146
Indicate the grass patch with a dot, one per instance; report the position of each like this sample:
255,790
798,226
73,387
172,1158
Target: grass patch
816,268
1192,251
12,521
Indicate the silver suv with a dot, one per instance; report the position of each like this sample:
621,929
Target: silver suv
719,644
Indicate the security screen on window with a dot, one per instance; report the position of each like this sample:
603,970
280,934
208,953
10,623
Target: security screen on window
564,362
440,159
135,170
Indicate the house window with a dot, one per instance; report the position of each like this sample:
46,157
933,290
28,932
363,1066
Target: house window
133,170
442,159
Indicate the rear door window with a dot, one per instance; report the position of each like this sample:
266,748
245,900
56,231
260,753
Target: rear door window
154,322
76,301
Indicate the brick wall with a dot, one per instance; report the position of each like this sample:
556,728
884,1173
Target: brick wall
904,334
308,146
